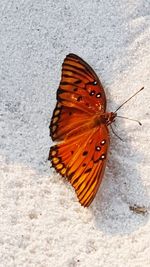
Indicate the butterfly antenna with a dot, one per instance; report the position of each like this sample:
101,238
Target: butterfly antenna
128,99
129,119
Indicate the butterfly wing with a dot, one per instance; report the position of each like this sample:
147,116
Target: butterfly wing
81,159
79,96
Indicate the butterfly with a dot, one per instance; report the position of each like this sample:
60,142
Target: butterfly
79,125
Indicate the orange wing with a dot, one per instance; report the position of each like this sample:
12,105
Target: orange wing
82,160
79,96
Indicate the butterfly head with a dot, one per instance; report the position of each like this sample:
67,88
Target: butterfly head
108,117
111,117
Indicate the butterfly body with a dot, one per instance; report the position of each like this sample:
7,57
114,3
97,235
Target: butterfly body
80,126
106,118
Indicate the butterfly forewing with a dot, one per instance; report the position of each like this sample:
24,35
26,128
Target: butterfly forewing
80,95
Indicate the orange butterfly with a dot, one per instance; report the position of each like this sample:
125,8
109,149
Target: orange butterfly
80,124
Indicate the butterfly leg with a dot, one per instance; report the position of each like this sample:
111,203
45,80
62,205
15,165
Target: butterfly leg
115,133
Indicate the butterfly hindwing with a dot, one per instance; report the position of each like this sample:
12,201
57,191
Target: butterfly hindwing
81,159
64,120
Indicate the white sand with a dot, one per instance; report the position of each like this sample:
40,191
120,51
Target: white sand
41,222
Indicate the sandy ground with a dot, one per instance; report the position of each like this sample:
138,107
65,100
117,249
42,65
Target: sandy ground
41,222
